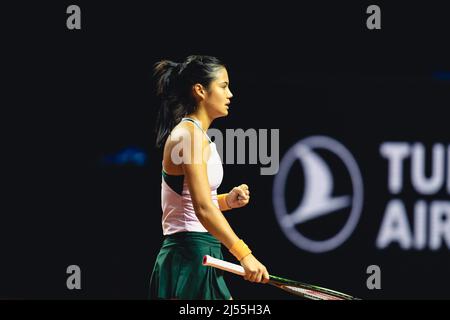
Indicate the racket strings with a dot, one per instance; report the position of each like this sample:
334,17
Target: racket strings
309,293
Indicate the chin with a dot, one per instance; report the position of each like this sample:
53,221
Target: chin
222,114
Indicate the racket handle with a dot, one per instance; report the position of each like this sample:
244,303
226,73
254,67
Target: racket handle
223,265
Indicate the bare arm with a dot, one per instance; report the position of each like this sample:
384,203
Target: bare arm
197,179
195,171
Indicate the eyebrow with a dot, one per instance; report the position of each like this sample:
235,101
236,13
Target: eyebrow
225,82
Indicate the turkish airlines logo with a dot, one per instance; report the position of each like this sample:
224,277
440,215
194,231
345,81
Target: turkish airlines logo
322,159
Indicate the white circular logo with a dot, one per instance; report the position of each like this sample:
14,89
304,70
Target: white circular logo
317,199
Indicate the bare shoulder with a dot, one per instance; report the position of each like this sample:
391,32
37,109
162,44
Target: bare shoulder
188,132
184,135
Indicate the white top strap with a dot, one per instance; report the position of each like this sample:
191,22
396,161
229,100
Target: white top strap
197,123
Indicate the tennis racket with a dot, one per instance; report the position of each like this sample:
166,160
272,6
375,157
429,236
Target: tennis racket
301,289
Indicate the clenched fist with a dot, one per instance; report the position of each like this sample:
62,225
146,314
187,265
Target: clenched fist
238,196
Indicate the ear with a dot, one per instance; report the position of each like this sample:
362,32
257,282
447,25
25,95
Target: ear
199,91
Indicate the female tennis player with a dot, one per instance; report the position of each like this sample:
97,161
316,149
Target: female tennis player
193,93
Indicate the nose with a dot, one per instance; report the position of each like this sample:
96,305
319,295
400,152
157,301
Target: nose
230,94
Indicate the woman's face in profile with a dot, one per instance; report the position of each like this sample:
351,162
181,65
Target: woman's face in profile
218,95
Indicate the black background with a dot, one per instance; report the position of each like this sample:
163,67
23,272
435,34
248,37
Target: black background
74,96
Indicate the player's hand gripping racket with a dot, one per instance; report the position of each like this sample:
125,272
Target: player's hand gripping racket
301,289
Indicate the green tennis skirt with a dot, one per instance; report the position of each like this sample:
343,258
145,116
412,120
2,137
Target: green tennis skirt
179,274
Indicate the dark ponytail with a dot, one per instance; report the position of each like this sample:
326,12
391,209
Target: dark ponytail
174,82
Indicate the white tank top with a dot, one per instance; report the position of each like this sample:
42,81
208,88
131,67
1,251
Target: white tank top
178,212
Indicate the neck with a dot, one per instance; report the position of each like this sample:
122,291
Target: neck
201,116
